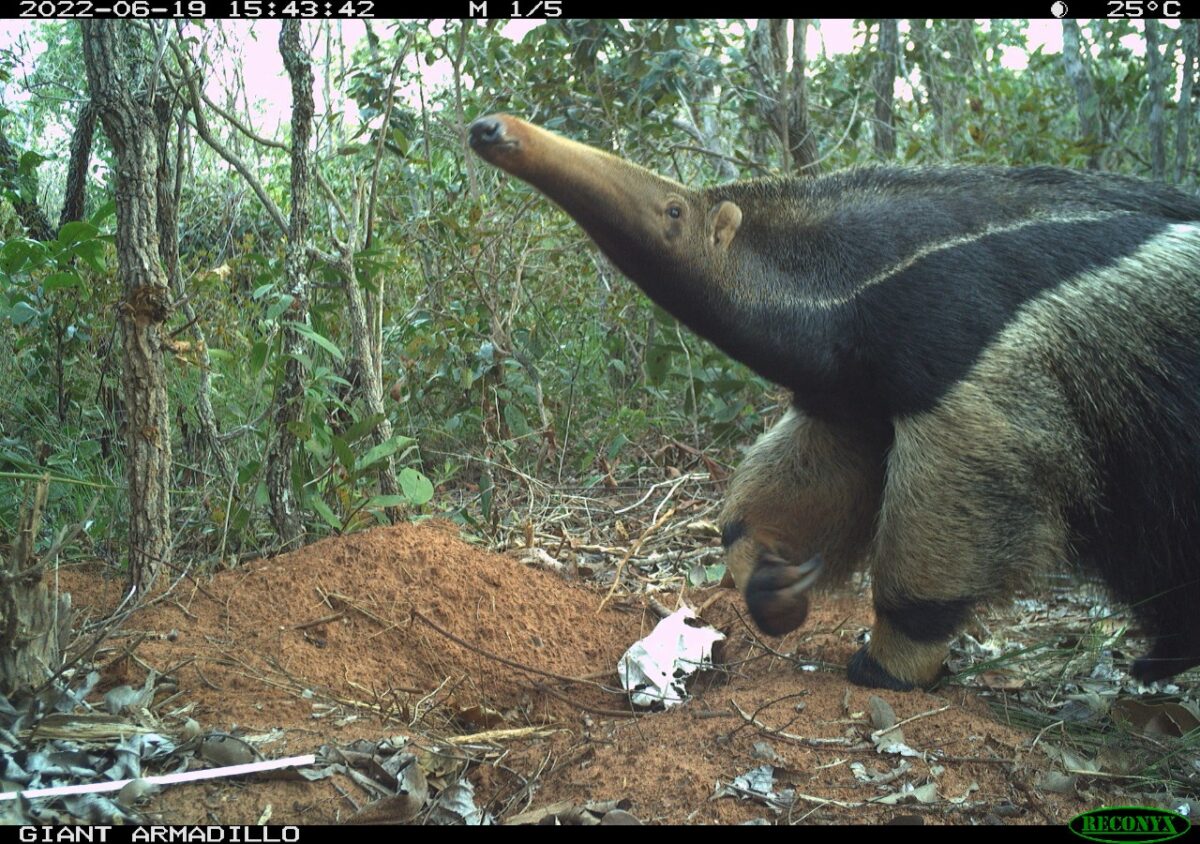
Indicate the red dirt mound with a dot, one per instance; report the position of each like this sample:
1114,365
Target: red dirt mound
410,631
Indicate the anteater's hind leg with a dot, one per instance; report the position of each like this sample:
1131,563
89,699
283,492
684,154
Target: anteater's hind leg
972,503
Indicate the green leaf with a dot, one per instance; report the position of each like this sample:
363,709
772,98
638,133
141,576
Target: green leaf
18,254
517,423
29,162
384,501
362,426
324,512
383,451
76,232
103,213
417,488
400,141
248,471
344,455
279,306
239,520
22,312
324,342
63,281
728,412
258,355
658,363
92,254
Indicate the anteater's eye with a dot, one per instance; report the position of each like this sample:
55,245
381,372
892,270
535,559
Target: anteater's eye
674,212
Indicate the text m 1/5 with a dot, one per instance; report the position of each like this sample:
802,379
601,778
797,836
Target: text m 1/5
529,9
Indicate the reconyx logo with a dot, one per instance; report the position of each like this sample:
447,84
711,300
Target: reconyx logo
1121,824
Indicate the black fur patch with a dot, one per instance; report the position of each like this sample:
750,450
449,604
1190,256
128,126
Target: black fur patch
898,346
927,621
732,532
1142,534
1169,656
864,670
933,321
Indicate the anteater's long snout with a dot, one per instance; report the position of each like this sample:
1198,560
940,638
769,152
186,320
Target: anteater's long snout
487,132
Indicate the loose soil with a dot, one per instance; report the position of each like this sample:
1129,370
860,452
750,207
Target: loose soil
411,631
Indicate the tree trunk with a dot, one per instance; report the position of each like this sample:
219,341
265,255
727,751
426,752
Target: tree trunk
456,64
783,93
884,82
946,54
1085,92
34,622
289,396
75,196
929,61
1189,36
364,368
168,247
802,143
1157,125
377,282
119,75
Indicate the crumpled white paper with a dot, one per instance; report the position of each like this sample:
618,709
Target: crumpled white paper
655,668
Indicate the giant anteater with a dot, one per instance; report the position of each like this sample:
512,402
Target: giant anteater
993,370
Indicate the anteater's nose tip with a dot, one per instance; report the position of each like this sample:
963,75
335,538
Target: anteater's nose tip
486,131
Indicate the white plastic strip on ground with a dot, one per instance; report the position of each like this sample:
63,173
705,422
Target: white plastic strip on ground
166,779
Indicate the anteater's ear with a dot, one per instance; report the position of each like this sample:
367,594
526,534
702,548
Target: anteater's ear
723,222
